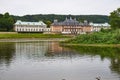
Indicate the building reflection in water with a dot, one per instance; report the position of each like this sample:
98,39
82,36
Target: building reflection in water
57,51
42,50
31,50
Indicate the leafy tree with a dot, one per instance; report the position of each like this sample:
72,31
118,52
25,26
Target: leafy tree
10,23
6,15
115,19
6,22
1,15
48,23
1,21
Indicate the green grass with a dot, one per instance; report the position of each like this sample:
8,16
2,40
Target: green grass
102,37
32,35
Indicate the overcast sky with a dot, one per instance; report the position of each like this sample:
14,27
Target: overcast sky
74,7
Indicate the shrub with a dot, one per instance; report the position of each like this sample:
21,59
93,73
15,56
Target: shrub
104,36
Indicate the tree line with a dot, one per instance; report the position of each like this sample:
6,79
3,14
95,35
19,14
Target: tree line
51,17
7,21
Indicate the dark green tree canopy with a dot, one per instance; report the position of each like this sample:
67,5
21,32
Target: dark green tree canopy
51,17
6,15
6,22
115,19
48,23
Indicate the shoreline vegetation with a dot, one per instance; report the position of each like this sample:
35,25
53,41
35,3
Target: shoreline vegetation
90,45
104,38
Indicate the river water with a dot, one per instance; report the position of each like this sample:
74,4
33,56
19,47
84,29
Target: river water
49,61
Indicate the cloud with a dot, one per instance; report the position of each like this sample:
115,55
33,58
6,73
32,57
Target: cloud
22,7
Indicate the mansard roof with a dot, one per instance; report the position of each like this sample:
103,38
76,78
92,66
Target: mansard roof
19,22
69,22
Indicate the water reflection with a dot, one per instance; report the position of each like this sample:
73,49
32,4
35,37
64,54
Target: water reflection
112,53
40,59
42,50
115,65
7,52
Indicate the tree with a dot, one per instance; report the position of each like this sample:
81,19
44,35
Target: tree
115,19
6,22
48,23
1,21
6,15
9,22
1,15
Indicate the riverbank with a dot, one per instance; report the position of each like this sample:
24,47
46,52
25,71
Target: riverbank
33,39
91,45
103,37
31,35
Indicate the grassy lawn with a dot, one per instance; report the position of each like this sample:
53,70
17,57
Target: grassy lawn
32,35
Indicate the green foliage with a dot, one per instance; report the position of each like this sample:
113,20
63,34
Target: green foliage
102,37
48,23
1,15
6,22
51,17
115,19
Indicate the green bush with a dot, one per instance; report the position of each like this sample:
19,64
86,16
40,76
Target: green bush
102,37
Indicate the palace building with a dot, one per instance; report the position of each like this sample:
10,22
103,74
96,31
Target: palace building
98,26
70,26
21,26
